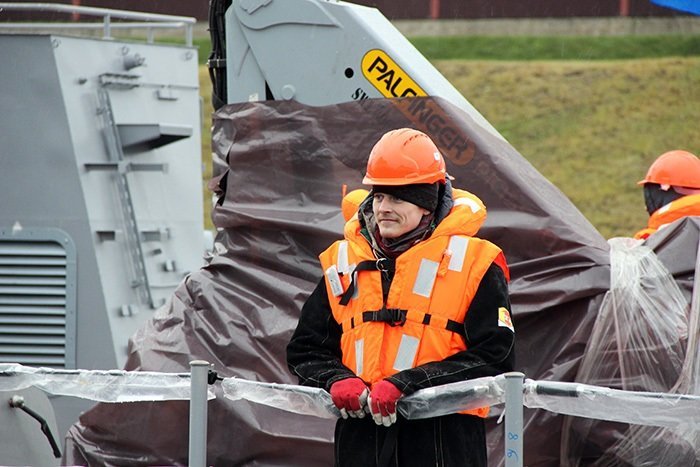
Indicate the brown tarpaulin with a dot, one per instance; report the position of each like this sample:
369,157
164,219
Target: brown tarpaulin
280,173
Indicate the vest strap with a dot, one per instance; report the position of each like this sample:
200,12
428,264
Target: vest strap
382,264
391,316
397,317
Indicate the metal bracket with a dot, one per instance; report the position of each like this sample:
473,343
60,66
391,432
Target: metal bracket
123,167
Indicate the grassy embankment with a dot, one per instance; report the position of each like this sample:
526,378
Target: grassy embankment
589,113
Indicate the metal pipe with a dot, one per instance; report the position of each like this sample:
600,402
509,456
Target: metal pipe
624,8
93,11
75,16
514,419
107,14
93,25
434,9
17,402
198,413
107,34
189,35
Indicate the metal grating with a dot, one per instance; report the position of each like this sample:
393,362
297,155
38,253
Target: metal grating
36,302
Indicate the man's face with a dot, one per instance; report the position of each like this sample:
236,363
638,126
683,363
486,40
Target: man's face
395,216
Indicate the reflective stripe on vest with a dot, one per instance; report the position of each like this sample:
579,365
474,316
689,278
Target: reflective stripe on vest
458,248
473,205
342,261
406,356
359,355
426,278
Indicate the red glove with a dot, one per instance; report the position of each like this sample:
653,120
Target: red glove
382,402
350,396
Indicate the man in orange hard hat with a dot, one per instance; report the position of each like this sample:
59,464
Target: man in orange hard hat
410,299
671,190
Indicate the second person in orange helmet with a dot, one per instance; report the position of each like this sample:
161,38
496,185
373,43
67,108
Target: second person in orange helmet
671,190
410,299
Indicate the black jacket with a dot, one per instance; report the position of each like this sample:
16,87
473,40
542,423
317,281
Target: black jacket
314,355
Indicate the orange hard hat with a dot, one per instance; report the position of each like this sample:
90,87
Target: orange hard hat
404,157
674,168
351,202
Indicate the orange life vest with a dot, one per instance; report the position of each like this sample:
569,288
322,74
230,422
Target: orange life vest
434,283
682,207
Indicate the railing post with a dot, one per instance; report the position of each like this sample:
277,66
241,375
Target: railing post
107,27
189,33
199,370
514,419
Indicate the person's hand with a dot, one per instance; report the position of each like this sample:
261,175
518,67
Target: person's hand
382,402
350,396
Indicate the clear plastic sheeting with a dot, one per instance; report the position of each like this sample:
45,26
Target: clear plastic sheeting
640,335
431,402
99,385
289,397
581,400
452,398
644,339
634,407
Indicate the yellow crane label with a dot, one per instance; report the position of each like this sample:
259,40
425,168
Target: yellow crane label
389,78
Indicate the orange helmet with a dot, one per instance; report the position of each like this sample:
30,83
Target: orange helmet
674,168
404,157
351,202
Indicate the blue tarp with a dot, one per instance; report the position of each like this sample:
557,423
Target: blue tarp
689,6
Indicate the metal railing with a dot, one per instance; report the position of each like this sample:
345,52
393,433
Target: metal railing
148,21
641,408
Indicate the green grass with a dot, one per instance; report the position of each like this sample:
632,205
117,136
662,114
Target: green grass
592,127
527,48
535,48
207,111
556,48
204,46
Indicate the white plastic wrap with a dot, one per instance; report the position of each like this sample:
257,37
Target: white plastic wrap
452,398
644,339
425,403
640,336
640,408
99,385
681,412
291,398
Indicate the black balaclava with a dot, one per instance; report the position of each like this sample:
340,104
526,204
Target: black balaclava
655,197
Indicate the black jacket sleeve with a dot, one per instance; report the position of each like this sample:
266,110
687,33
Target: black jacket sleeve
313,353
490,346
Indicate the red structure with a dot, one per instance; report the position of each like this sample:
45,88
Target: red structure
427,9
479,9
